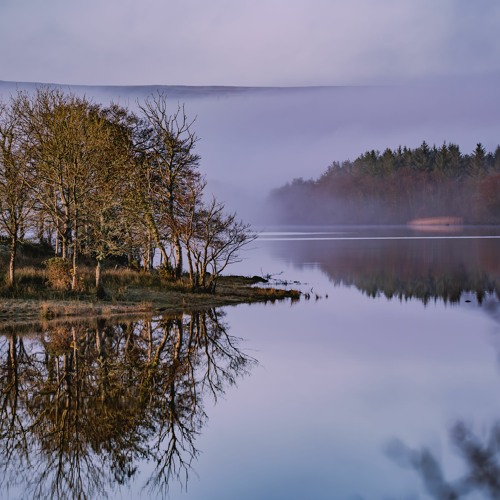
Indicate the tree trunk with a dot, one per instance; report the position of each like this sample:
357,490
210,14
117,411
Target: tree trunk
98,280
178,258
153,235
74,281
65,235
57,242
147,254
212,283
12,264
64,248
41,228
191,270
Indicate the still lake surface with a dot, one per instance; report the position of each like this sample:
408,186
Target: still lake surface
384,383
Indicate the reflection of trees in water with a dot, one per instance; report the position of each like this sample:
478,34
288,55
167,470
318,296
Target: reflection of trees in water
425,269
479,453
481,456
82,405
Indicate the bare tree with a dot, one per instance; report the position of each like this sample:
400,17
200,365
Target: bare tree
170,161
213,241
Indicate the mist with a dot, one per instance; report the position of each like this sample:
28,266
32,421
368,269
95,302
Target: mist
255,139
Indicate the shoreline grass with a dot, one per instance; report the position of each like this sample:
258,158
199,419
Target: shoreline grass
128,292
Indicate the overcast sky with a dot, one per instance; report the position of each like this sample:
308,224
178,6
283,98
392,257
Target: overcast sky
246,42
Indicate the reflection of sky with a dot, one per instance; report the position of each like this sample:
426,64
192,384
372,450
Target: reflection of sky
339,377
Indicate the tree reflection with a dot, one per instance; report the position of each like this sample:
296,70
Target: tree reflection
390,263
481,456
82,405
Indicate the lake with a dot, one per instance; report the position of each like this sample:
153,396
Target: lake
383,381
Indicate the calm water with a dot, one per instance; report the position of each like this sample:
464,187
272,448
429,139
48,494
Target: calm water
384,384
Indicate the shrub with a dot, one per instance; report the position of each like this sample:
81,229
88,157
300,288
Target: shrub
58,273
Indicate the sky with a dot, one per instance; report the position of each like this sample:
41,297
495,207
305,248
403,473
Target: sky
443,56
247,42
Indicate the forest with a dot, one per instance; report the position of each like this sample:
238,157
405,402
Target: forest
396,187
95,183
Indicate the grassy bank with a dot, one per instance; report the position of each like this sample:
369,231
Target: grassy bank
127,292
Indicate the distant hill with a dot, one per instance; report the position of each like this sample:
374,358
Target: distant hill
188,92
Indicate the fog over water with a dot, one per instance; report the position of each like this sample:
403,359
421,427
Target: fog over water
254,139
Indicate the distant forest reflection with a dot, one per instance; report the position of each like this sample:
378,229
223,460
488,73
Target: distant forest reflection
403,264
82,405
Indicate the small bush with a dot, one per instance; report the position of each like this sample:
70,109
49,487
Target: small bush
58,273
165,272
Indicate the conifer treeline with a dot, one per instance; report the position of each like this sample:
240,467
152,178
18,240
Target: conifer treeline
103,182
397,186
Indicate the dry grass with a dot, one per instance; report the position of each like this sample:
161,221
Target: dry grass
128,293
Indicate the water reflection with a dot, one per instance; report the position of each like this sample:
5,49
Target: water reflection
82,405
398,263
404,265
480,455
